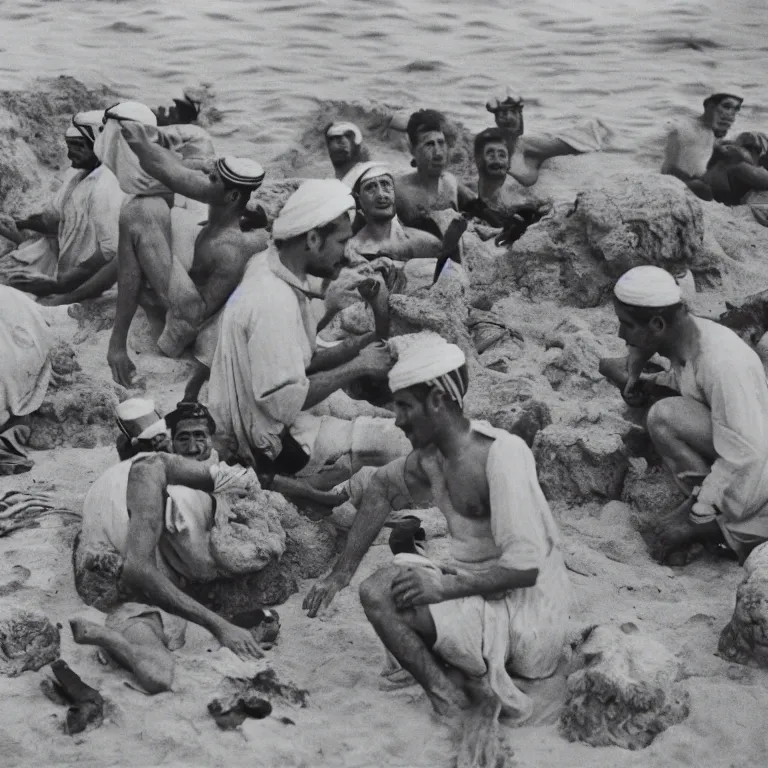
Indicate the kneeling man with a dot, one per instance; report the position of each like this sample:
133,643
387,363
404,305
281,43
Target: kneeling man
503,601
713,438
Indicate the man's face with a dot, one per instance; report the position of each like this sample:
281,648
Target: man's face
327,253
341,149
431,153
723,114
495,160
509,119
636,334
412,417
193,439
377,198
80,153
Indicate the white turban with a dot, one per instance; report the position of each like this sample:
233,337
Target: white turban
138,418
315,203
116,154
342,129
725,90
364,171
648,286
430,360
86,125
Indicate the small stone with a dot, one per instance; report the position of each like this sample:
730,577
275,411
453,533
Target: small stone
28,641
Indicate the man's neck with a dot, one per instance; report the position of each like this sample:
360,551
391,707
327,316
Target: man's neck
224,216
294,259
455,437
379,229
685,344
489,185
427,180
342,170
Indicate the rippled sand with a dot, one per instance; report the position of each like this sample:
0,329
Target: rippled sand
634,62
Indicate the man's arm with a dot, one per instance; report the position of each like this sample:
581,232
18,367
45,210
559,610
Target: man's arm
147,482
46,223
163,165
333,357
752,176
101,280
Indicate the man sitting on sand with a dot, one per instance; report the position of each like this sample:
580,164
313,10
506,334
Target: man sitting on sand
150,524
345,149
691,141
190,270
737,169
526,155
78,258
713,437
266,372
503,601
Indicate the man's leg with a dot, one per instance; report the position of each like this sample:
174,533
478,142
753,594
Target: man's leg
681,431
139,648
409,635
200,375
143,252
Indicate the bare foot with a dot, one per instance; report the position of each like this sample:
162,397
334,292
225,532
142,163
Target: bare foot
85,632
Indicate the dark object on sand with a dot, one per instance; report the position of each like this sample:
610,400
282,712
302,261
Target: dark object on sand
407,535
231,713
263,623
515,227
86,704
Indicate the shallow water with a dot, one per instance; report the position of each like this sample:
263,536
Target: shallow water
634,62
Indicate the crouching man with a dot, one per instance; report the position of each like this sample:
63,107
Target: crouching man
150,523
503,602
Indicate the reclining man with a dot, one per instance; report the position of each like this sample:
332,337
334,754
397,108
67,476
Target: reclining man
166,260
150,524
77,260
266,372
504,600
713,437
692,140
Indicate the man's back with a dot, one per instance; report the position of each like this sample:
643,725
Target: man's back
689,147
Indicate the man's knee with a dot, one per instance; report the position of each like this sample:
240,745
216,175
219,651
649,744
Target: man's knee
376,590
660,419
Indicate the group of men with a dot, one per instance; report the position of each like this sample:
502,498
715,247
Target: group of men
246,300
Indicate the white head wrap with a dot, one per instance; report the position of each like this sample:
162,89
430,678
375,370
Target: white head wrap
429,360
243,173
138,419
648,286
115,153
508,98
364,171
315,203
86,125
342,129
723,90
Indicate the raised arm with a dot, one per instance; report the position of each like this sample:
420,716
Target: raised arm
147,481
163,165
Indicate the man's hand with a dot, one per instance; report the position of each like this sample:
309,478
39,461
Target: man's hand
123,370
417,586
376,360
136,134
374,292
322,593
239,641
35,222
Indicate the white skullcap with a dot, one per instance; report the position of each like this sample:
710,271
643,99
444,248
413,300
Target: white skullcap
648,286
315,203
342,129
429,360
138,418
508,98
364,171
243,173
725,90
85,125
131,110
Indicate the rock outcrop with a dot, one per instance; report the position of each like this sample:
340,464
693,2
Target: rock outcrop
745,638
28,641
625,692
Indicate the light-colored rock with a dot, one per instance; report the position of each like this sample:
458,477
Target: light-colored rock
650,492
624,693
576,367
28,641
745,638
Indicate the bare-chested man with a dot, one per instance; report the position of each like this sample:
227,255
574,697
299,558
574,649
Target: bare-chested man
527,154
430,187
191,275
691,141
345,148
147,526
503,601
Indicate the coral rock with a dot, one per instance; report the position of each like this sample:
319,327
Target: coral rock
745,638
28,641
580,465
625,694
650,492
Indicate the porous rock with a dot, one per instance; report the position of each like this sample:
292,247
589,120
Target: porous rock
525,420
651,494
580,465
577,364
28,641
745,638
624,690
